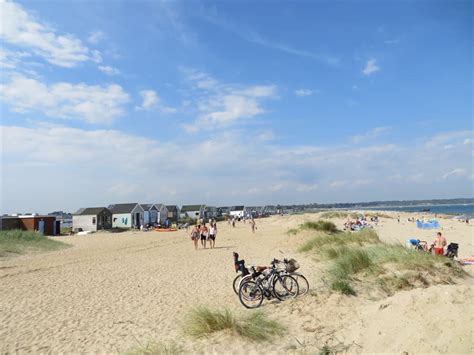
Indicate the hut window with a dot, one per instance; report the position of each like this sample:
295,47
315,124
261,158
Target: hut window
93,220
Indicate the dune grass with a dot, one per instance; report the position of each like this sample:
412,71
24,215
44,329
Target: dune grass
353,215
361,261
321,225
390,267
19,242
256,326
156,348
333,245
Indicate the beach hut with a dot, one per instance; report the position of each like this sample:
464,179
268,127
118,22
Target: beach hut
173,213
92,219
150,214
237,211
127,215
193,211
210,212
162,215
223,211
31,222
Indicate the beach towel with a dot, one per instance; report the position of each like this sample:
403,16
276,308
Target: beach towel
467,261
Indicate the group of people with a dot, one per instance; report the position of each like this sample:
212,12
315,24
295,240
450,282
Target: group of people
234,219
357,225
201,232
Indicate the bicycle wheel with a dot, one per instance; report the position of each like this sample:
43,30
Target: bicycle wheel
285,287
250,294
238,280
236,283
303,283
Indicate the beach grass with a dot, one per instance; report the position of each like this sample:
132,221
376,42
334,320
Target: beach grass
19,242
156,348
360,261
338,214
389,267
333,245
353,215
256,326
321,225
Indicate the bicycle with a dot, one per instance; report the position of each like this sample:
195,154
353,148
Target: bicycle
267,285
290,266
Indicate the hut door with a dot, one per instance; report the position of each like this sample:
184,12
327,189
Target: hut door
41,226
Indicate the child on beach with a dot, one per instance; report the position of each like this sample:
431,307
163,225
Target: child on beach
195,236
252,224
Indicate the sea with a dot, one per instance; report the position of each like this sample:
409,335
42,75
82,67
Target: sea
466,210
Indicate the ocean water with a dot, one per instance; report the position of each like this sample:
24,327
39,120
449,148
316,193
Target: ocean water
455,210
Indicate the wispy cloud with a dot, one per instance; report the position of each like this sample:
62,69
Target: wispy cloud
370,67
454,173
109,70
151,100
221,104
304,92
96,37
91,103
20,28
372,134
291,173
252,36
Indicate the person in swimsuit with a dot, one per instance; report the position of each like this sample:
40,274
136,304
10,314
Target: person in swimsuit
204,232
212,235
439,244
195,236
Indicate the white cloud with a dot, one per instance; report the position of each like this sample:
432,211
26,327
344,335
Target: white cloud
371,67
306,187
150,100
304,92
109,70
450,138
91,103
11,59
221,104
239,169
228,108
254,37
202,80
372,134
96,37
454,173
338,183
21,29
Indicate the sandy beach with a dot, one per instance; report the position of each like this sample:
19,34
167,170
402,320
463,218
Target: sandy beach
108,293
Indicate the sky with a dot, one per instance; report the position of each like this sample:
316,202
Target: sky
234,102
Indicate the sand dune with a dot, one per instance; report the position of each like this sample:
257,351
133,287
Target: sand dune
110,292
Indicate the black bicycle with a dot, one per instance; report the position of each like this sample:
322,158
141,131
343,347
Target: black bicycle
267,283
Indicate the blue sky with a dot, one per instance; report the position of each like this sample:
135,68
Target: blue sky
234,102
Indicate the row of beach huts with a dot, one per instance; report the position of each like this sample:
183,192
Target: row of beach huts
130,215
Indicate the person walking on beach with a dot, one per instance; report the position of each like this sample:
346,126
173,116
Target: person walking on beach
439,244
212,235
203,231
233,222
252,224
195,236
